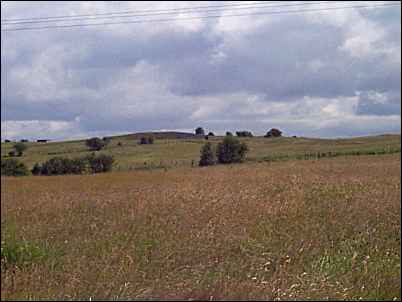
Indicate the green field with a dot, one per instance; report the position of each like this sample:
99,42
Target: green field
181,152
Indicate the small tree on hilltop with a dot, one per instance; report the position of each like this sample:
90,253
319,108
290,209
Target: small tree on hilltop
228,133
273,133
95,143
207,156
199,131
231,150
211,134
20,148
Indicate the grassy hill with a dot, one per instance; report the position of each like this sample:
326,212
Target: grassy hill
173,149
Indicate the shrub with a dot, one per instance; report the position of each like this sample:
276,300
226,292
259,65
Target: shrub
244,134
12,167
147,140
211,134
199,131
207,156
11,153
100,163
231,150
83,165
79,166
228,133
95,143
20,148
273,133
56,166
36,170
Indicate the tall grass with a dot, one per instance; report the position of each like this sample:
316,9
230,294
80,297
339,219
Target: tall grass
294,230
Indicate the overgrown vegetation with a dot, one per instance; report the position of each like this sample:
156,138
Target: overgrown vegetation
13,167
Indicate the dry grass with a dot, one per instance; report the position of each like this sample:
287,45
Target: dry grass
327,229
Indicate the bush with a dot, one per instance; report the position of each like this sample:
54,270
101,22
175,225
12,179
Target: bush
95,143
100,163
228,133
83,165
12,167
11,153
199,131
207,156
36,170
273,133
231,150
55,166
211,134
244,134
20,148
147,140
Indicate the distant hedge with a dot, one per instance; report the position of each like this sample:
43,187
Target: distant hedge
13,167
83,165
244,134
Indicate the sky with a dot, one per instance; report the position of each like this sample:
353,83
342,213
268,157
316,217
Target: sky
334,73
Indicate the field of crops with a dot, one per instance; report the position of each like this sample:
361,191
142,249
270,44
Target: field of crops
307,229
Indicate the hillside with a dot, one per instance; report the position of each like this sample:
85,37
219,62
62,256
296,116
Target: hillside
172,149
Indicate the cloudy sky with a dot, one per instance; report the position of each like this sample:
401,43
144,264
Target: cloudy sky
334,73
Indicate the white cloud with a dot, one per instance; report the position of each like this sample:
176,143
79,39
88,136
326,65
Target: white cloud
308,73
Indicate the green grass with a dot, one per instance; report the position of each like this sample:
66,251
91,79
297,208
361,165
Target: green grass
18,252
171,153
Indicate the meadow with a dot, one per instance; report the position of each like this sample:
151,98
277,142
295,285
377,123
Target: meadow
185,152
326,229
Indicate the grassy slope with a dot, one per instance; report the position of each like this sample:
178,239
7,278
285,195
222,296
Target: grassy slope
180,152
302,230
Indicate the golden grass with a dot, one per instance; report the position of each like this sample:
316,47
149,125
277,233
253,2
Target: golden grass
327,229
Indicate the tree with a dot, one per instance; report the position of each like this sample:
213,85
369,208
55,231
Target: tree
228,133
199,131
273,133
211,134
95,144
231,150
244,134
20,148
207,156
